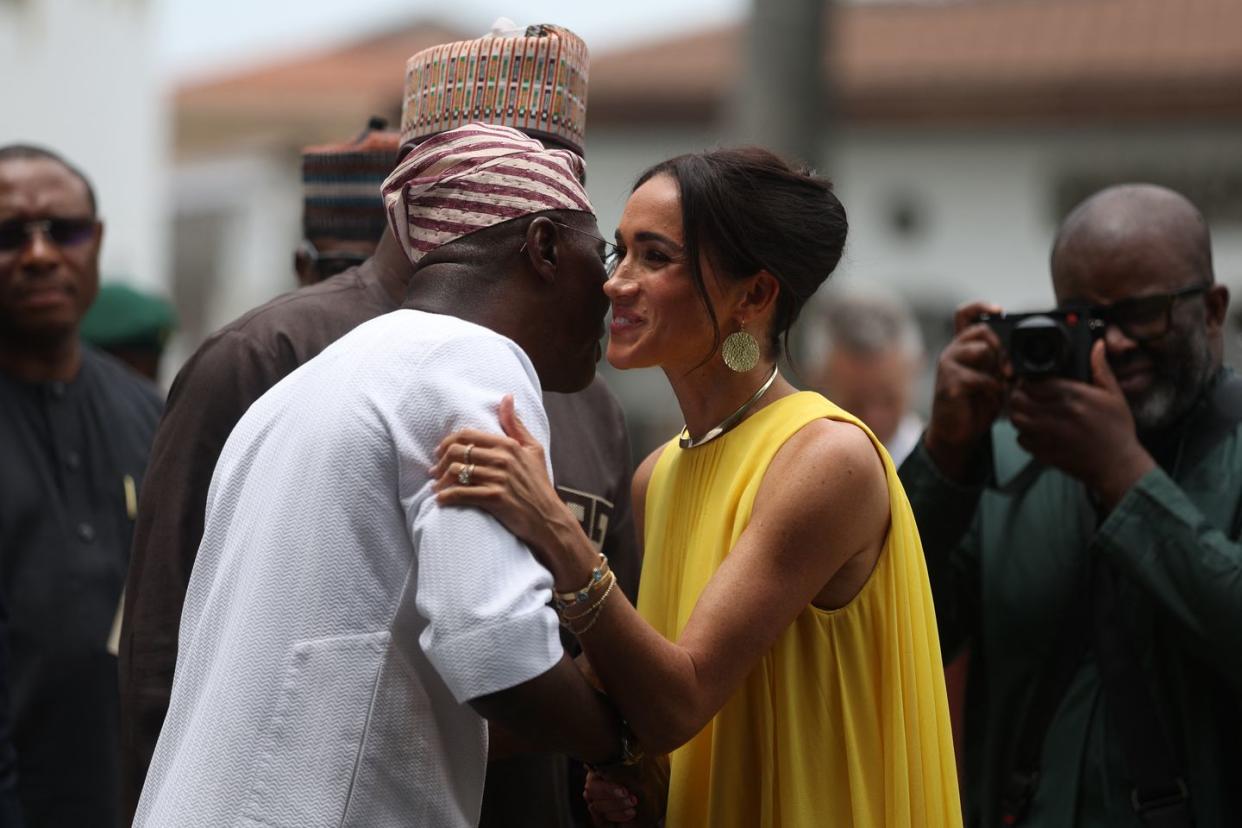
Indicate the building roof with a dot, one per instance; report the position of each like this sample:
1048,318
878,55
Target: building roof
968,61
956,61
313,98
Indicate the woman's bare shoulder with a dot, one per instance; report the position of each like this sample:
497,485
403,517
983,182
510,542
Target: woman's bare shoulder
839,443
828,475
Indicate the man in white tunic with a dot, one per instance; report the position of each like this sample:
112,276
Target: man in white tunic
342,632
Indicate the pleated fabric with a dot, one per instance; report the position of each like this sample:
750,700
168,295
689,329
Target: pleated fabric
845,720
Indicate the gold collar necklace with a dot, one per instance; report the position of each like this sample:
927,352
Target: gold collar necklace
728,423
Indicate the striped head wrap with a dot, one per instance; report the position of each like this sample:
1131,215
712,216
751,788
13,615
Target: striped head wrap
473,177
533,79
341,185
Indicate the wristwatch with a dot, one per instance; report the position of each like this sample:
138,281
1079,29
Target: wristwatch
631,751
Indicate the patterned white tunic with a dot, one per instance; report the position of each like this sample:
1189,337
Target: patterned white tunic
337,619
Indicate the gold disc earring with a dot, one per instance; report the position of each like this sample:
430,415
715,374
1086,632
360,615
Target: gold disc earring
740,351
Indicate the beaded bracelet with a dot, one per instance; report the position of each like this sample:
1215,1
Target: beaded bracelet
612,581
597,609
564,600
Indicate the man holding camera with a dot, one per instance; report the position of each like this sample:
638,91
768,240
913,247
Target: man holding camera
1086,545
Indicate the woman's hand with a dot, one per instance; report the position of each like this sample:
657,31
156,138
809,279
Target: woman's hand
508,478
608,802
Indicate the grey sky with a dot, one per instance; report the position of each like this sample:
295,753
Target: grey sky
198,37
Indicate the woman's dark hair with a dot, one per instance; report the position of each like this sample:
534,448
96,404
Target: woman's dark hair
747,210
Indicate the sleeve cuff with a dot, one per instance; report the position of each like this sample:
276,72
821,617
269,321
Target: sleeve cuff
514,651
924,482
920,467
1126,532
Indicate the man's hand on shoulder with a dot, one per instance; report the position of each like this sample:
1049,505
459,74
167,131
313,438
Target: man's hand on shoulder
1084,429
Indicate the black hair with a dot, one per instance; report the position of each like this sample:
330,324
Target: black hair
748,210
30,152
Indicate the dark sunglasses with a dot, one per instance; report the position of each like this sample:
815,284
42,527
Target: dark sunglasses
63,232
1145,318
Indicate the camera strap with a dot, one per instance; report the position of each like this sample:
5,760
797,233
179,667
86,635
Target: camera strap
1160,797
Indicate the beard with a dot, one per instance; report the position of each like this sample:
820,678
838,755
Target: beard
1181,367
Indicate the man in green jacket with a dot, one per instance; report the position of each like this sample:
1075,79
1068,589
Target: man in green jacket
1096,517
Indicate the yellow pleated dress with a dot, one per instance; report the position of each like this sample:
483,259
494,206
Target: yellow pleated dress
844,721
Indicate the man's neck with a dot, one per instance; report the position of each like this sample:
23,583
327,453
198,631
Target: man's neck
437,290
45,363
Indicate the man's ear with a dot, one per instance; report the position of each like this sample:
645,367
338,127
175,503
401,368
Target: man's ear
1216,301
542,238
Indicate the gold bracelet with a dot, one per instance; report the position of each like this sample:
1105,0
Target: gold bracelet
599,610
590,624
564,600
612,580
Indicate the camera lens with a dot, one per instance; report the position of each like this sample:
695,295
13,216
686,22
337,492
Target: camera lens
1039,346
1040,353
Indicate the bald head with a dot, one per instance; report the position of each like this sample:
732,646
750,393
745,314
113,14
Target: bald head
1142,256
1128,220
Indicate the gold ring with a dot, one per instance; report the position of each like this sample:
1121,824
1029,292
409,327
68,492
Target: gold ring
469,448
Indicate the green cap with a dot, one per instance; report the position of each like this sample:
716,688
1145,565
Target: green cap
123,316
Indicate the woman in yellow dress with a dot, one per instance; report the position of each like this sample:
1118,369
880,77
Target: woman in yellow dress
784,647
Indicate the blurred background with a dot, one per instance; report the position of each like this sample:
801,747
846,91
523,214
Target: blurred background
958,132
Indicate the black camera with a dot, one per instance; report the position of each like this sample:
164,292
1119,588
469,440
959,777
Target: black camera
1054,343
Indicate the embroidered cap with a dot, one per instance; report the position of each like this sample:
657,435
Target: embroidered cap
341,185
532,79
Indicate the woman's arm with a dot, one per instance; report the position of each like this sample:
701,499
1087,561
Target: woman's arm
822,504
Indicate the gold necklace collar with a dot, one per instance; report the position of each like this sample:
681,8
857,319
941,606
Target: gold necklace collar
728,423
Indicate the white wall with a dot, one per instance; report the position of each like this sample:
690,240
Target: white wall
990,201
79,77
257,201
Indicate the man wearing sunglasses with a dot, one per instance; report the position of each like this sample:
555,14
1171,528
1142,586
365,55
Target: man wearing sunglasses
75,429
1082,537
